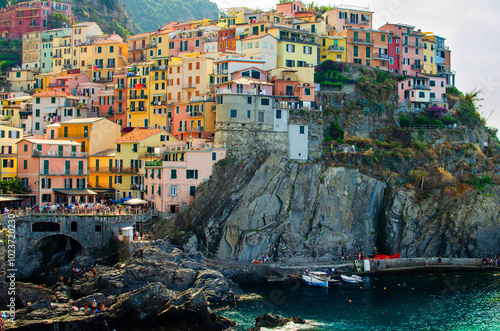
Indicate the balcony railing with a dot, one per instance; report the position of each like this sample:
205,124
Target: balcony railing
304,40
189,86
362,41
336,48
196,113
135,187
358,22
158,103
416,66
137,86
203,98
61,172
381,56
62,84
196,128
421,87
120,86
37,153
438,100
412,44
137,97
158,78
159,68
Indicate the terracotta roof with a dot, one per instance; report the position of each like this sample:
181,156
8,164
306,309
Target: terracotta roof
139,135
52,94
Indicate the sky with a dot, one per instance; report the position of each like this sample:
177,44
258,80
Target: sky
468,26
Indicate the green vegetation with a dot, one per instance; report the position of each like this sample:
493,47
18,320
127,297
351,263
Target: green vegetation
151,13
10,54
336,132
377,89
329,73
467,109
12,186
480,182
58,20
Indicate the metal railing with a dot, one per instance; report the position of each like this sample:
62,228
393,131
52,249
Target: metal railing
358,22
421,87
66,172
362,41
37,153
138,97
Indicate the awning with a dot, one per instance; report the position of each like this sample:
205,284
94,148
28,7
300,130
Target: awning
75,191
103,190
8,199
366,18
50,110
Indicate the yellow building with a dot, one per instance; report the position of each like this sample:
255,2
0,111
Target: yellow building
296,48
102,172
429,53
62,54
14,110
158,96
234,16
9,136
105,56
131,151
20,80
94,134
203,22
139,88
333,48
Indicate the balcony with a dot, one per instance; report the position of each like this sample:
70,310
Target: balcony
61,172
196,114
412,44
302,40
357,22
158,78
189,86
336,48
222,72
58,84
138,97
137,86
119,87
160,68
421,87
57,154
202,99
135,187
362,41
438,100
182,129
56,56
197,129
416,66
158,103
34,25
381,56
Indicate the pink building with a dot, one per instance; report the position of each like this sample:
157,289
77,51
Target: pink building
185,41
410,47
67,83
30,16
394,52
422,92
289,8
171,184
54,170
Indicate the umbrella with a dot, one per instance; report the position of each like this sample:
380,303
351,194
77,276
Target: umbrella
135,201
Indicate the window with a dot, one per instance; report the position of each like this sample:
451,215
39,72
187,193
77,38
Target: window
278,113
118,148
249,113
46,197
432,83
173,191
406,50
382,37
234,113
290,48
307,50
197,43
432,95
99,49
111,49
356,51
25,165
368,52
290,63
25,148
261,117
192,190
421,94
264,102
173,174
307,91
301,129
397,50
391,60
249,100
53,100
191,174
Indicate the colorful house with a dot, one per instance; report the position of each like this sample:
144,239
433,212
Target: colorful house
333,48
9,137
429,54
131,154
289,8
367,47
54,170
421,92
105,56
260,46
94,134
32,45
296,48
410,47
170,183
102,173
138,88
29,16
343,17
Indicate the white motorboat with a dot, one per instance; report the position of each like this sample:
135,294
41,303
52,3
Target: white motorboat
352,279
316,278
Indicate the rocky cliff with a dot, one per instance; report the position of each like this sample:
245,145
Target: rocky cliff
314,212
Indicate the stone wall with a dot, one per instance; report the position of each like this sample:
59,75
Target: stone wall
245,139
433,135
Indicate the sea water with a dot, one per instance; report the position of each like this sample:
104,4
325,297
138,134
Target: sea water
426,301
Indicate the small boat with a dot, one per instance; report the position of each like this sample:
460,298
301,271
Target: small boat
352,279
316,278
334,282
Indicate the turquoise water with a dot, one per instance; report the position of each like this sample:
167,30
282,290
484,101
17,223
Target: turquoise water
465,301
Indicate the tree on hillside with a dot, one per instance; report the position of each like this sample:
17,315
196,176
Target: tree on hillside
58,20
12,186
